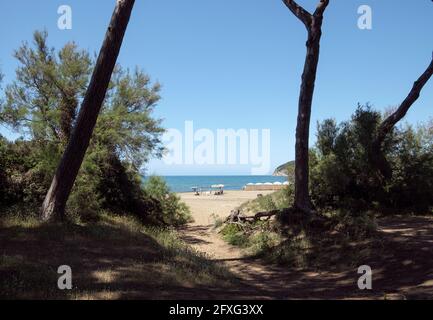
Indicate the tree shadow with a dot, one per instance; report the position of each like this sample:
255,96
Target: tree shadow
400,255
107,262
110,262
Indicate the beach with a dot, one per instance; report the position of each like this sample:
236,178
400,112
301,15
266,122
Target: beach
201,235
205,207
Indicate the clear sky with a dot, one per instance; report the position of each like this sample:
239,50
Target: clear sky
237,63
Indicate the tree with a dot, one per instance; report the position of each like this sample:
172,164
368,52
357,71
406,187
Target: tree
344,177
326,135
47,88
125,137
63,181
378,157
313,24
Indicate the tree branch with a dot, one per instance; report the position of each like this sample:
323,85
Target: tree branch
321,7
389,123
299,12
413,95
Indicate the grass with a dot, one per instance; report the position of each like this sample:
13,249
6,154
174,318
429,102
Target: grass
274,201
114,258
342,241
235,236
217,221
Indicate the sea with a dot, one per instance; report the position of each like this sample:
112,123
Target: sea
186,183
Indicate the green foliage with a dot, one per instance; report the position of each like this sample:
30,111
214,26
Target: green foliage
235,235
341,168
278,200
263,241
43,99
343,175
173,210
26,170
286,169
303,245
412,162
360,226
42,104
326,136
348,191
125,125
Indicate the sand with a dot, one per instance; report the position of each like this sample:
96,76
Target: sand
408,239
201,234
204,206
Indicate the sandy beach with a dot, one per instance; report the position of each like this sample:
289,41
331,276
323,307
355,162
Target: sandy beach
204,206
201,235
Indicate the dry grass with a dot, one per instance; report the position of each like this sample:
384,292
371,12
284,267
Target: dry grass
116,258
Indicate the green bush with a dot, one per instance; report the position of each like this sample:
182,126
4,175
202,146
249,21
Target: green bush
263,241
26,170
278,200
235,235
343,175
125,137
173,210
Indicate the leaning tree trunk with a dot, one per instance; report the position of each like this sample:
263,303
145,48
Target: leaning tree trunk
63,181
313,23
377,154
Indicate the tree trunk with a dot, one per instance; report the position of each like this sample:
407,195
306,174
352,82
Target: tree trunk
63,181
313,23
68,108
378,156
302,195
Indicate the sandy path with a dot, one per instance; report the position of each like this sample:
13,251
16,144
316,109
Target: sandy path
260,280
264,281
204,209
200,235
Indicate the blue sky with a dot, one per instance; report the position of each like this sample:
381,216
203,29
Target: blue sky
237,63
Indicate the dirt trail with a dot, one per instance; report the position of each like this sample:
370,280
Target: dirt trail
405,271
204,210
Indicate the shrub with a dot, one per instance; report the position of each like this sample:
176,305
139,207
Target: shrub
173,210
278,200
26,169
234,235
343,176
125,137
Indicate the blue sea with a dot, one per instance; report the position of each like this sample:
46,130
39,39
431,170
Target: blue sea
186,183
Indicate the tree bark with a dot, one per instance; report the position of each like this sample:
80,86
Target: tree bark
68,107
378,156
313,23
54,204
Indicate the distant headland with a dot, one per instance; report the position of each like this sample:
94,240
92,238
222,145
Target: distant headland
285,170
